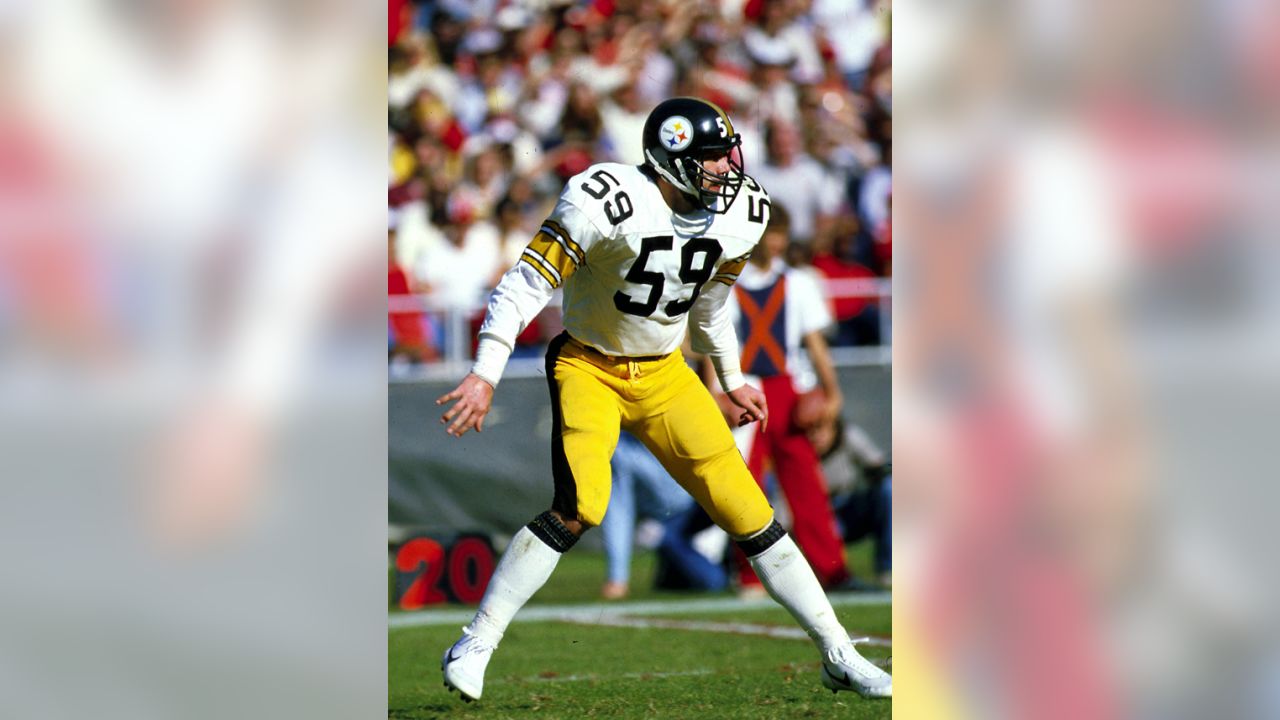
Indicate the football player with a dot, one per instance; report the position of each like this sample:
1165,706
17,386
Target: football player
641,253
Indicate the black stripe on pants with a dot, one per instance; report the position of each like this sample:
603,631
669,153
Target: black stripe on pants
565,501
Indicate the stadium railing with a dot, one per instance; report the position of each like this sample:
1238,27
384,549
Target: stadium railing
454,332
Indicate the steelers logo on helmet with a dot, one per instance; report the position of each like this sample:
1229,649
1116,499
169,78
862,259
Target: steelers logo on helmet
676,133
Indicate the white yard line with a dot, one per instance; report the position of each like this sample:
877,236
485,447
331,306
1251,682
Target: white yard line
593,612
733,628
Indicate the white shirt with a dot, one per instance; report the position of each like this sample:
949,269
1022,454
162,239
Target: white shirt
624,130
855,29
634,274
806,189
805,311
416,236
459,275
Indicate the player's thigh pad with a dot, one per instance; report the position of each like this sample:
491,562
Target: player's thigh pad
585,421
687,433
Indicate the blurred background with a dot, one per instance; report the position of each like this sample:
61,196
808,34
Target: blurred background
1085,349
493,106
192,379
194,345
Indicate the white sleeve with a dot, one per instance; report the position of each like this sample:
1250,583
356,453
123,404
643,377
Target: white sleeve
810,301
711,333
555,252
519,297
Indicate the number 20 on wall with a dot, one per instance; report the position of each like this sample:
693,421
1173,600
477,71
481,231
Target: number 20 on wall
431,573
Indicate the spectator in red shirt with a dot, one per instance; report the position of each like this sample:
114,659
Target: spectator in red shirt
407,329
857,315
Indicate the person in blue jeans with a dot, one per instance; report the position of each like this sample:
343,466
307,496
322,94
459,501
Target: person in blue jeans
642,488
681,566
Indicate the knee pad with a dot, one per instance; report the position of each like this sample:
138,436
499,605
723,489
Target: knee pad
762,540
548,528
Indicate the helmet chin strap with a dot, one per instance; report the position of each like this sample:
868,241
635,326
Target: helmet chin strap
690,187
682,183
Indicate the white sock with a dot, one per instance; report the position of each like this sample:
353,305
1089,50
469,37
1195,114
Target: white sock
524,568
790,581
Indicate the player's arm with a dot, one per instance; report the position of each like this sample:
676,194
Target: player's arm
519,297
711,333
707,372
806,291
551,258
820,356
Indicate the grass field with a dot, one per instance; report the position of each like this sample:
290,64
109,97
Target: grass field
659,655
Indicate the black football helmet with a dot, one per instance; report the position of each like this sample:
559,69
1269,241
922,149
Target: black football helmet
684,130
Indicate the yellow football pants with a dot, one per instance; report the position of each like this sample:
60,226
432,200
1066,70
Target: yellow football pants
663,403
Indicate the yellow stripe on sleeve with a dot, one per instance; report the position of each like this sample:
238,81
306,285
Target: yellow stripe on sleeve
536,265
558,230
557,256
729,271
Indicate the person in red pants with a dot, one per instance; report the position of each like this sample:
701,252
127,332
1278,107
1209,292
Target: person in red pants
781,312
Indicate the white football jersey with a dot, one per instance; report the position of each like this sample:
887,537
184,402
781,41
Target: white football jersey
631,268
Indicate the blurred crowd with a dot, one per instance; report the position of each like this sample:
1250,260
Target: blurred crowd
494,104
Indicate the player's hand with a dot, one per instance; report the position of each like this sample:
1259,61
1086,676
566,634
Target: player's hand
831,410
474,397
753,406
728,410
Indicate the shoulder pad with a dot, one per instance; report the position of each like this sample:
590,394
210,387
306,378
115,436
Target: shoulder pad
750,183
598,181
593,189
